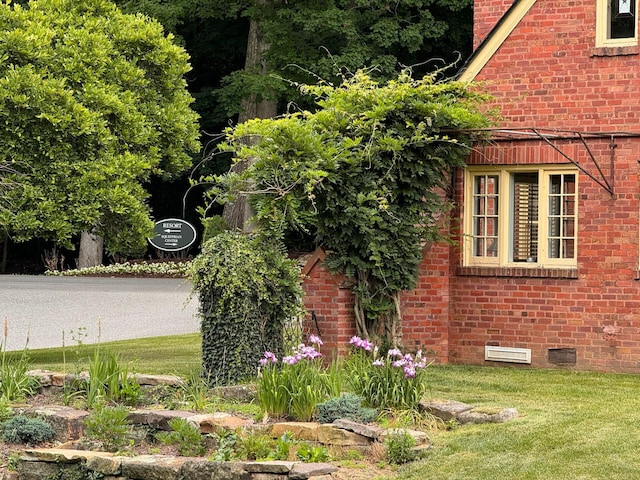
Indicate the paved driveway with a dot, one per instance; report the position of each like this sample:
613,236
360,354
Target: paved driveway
42,309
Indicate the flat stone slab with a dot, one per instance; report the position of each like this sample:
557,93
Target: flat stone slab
199,469
158,419
369,431
303,471
445,409
63,455
241,393
299,430
331,435
48,378
215,422
275,466
154,380
478,416
153,467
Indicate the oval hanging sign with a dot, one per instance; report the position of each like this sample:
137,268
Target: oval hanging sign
173,234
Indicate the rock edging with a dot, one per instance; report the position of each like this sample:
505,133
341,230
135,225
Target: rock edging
38,463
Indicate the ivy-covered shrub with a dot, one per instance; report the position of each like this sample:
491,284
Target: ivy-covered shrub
248,289
21,429
347,406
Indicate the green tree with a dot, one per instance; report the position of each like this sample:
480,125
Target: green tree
303,41
321,39
367,173
94,103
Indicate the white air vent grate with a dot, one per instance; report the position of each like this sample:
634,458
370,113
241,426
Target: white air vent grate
507,354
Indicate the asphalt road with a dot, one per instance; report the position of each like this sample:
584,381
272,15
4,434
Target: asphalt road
40,310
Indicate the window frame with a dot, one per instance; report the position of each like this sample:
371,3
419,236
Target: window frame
602,27
506,212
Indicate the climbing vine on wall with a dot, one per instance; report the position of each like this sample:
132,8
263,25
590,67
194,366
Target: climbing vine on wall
366,173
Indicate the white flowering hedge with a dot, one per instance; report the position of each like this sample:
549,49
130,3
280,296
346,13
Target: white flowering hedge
143,269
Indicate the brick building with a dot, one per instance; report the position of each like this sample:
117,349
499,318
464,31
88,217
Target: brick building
546,271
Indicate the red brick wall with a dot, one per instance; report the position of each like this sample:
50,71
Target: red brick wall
548,74
597,313
425,309
329,305
486,14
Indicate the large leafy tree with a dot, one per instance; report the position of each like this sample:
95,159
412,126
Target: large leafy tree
93,104
321,39
367,173
302,41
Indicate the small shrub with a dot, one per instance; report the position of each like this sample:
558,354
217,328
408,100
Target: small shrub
255,447
21,429
185,436
347,406
109,425
312,454
227,440
196,393
13,461
16,385
283,447
6,411
110,379
248,289
213,226
400,448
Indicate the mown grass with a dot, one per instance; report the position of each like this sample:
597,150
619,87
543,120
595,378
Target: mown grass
572,425
175,355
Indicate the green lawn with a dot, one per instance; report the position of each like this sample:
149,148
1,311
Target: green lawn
177,354
572,425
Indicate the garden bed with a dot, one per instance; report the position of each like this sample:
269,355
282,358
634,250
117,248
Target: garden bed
356,456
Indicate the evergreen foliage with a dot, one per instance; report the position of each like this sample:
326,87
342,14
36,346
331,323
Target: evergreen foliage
248,289
348,406
307,40
21,429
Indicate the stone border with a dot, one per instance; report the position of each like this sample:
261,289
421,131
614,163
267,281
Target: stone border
37,464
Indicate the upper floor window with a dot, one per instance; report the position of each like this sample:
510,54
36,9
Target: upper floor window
616,23
520,217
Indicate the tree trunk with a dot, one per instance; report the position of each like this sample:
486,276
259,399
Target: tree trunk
238,213
90,252
5,247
